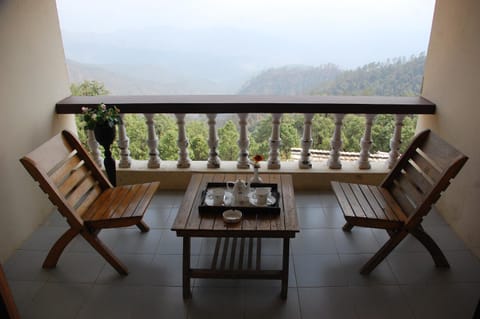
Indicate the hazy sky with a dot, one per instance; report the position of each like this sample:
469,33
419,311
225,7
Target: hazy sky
275,16
369,30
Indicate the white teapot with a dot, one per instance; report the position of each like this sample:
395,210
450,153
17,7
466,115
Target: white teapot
239,190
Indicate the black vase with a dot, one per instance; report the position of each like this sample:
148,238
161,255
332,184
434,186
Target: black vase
105,135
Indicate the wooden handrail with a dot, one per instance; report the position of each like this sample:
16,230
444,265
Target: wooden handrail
251,104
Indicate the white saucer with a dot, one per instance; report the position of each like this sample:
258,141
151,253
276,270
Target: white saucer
232,216
227,199
253,200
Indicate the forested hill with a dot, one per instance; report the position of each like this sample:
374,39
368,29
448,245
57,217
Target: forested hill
290,80
400,77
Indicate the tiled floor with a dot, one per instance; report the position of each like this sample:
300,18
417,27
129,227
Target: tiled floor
324,278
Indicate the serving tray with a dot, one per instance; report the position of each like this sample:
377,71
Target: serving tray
249,208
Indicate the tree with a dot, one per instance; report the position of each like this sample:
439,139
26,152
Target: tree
197,132
228,137
322,131
88,88
167,133
353,130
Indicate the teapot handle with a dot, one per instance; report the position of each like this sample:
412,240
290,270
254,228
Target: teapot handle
229,186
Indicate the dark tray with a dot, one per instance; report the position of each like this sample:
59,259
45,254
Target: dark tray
251,209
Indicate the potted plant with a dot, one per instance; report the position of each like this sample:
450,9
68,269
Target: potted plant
102,120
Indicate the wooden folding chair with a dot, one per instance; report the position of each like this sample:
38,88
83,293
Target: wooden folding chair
8,309
406,195
84,196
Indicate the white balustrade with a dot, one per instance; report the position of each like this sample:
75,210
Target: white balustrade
182,143
213,159
243,162
306,142
336,143
152,142
243,142
275,142
366,143
123,143
94,148
396,141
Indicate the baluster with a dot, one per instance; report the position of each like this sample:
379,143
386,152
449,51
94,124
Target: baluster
366,143
182,143
213,159
152,142
306,142
275,142
123,143
396,141
93,145
243,142
336,143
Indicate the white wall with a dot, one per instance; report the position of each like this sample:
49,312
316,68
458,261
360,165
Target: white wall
33,77
452,81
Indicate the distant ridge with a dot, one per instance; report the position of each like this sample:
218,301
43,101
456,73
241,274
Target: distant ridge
396,77
290,80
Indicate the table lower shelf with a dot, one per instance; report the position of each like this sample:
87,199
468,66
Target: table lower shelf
237,258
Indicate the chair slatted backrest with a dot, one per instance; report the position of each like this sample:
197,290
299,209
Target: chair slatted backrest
422,173
67,174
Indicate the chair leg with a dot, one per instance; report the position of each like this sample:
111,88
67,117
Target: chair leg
57,249
394,240
347,227
105,252
427,241
143,227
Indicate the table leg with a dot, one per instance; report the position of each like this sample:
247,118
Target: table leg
285,262
186,267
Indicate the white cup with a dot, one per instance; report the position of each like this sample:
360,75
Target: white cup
261,193
217,195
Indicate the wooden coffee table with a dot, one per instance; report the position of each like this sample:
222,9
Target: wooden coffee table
238,248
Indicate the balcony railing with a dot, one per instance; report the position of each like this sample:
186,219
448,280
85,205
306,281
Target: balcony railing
211,105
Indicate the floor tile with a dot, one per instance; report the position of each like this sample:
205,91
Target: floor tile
333,217
359,240
380,302
328,302
43,238
78,268
265,302
445,237
139,269
419,268
57,300
161,302
170,244
443,301
311,217
216,303
319,271
133,241
105,301
26,265
314,241
24,291
166,270
381,275
158,217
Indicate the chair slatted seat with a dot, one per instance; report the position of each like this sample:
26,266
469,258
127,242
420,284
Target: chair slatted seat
405,196
84,196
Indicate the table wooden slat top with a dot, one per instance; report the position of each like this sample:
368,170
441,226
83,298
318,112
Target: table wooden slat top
189,222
